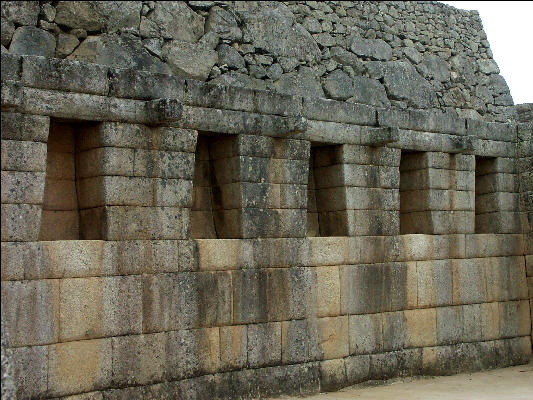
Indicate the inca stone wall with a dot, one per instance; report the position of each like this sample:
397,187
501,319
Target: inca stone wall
525,162
166,237
391,54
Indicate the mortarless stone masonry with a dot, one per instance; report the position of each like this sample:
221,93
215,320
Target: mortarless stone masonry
346,196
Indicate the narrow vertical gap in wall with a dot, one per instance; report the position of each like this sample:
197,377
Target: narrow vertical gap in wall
216,196
486,200
61,209
414,214
326,198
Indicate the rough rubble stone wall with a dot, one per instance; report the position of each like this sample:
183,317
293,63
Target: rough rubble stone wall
400,54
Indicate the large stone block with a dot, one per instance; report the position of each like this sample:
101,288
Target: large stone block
157,223
233,347
30,371
22,260
300,341
332,375
468,284
164,164
498,222
363,288
289,293
327,291
442,282
77,367
22,187
366,333
136,84
330,251
106,161
357,368
264,344
20,155
138,360
25,127
450,325
420,327
115,191
158,256
96,307
170,302
336,111
217,96
372,223
29,40
489,245
472,320
219,254
393,331
192,352
215,291
490,321
67,75
31,310
514,319
11,63
69,259
250,304
334,337
493,202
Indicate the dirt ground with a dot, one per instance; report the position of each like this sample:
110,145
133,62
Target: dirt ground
514,383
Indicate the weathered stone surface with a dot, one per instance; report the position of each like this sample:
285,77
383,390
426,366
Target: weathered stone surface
412,55
271,27
369,91
67,359
488,67
7,31
302,83
223,23
375,49
189,59
347,58
30,371
66,43
172,20
229,56
402,82
32,41
20,12
338,85
433,67
98,15
123,51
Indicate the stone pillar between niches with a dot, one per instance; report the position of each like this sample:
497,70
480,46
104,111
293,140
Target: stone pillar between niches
357,190
497,196
436,193
259,186
24,143
134,181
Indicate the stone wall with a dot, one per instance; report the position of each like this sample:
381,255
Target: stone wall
133,300
391,54
525,162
